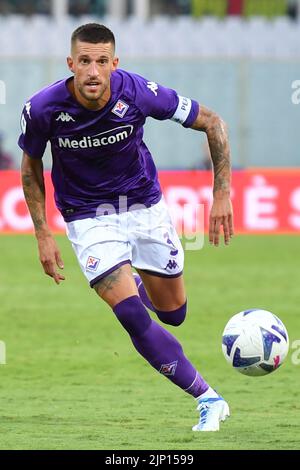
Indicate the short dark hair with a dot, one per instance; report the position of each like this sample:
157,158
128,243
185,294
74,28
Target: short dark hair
93,33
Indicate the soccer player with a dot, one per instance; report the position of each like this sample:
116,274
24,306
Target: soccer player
107,189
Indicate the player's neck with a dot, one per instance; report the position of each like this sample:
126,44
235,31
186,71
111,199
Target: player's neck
90,105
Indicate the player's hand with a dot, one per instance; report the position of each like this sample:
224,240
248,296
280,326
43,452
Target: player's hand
50,257
221,215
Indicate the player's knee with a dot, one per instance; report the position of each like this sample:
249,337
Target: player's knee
174,317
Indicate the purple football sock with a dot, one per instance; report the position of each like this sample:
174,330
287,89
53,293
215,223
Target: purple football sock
158,346
174,317
142,293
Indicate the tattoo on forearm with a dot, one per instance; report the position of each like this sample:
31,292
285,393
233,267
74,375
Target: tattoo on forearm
109,282
34,192
216,132
220,155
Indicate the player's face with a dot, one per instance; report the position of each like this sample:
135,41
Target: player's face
92,65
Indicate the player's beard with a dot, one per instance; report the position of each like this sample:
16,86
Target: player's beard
92,96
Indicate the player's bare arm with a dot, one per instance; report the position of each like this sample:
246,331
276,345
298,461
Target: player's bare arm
221,212
34,191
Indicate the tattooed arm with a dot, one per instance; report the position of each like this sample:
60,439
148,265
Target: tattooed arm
34,192
221,212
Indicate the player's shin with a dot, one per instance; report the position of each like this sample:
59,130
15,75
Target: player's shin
161,349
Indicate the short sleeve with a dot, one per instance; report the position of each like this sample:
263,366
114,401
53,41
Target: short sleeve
162,103
33,139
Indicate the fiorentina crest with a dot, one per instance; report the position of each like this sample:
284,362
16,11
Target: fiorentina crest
120,108
92,264
168,369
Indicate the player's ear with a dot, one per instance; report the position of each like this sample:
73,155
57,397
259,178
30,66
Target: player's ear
115,63
70,63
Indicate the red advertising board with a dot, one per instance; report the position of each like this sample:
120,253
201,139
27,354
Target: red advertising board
265,201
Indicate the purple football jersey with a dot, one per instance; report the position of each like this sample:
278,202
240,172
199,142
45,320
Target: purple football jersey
99,156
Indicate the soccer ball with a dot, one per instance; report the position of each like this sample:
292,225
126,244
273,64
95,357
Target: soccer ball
255,342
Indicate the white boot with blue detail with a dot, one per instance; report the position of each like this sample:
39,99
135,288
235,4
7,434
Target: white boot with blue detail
213,409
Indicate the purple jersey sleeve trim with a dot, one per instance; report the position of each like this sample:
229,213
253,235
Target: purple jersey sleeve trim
153,273
106,273
193,114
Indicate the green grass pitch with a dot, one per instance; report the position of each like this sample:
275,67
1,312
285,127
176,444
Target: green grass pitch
74,381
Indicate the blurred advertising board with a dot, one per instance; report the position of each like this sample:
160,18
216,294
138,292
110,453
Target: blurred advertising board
264,200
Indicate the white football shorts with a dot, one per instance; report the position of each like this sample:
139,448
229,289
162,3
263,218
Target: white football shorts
145,238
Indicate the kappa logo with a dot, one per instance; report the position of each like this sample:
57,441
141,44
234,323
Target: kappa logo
171,265
120,109
23,124
153,87
65,117
92,264
168,369
28,108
